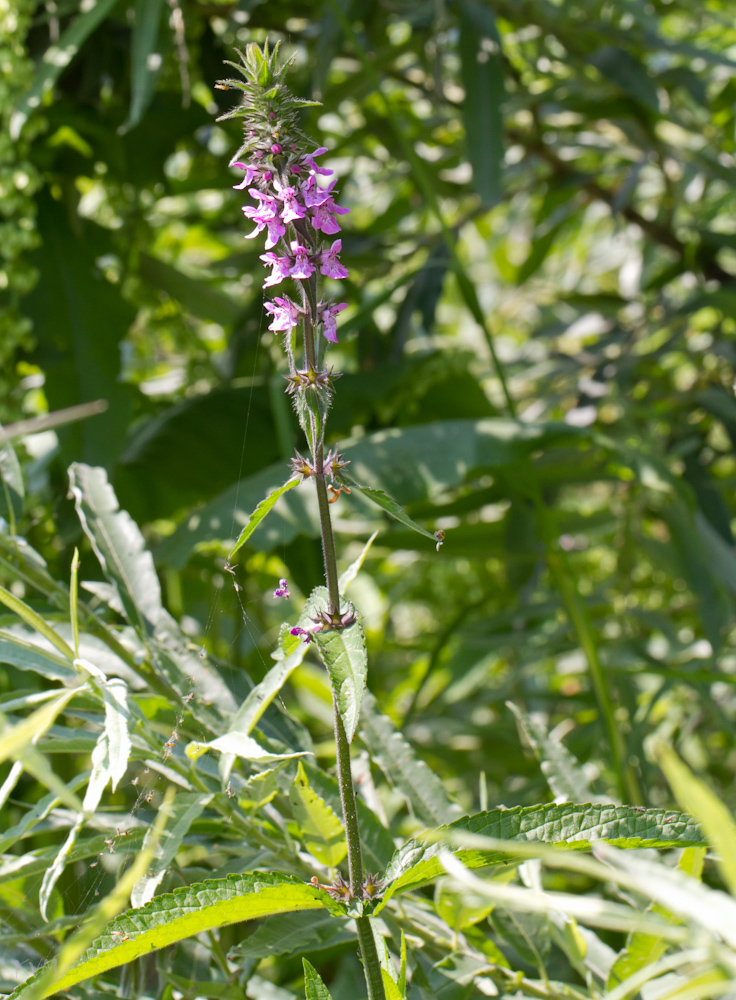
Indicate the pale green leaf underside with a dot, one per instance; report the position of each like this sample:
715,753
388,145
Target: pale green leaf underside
259,513
187,911
344,654
574,826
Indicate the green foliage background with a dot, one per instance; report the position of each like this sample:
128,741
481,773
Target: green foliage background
539,359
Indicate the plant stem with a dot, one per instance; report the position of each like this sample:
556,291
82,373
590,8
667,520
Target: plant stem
366,941
328,538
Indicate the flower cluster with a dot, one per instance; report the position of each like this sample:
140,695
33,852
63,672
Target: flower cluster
295,211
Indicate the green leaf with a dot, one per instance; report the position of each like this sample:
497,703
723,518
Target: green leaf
566,779
343,652
419,785
18,651
184,913
289,934
79,320
712,815
482,74
145,60
409,463
56,58
625,70
315,988
117,720
15,739
12,489
259,513
118,545
194,294
239,745
377,843
387,503
354,568
321,832
30,617
574,826
187,807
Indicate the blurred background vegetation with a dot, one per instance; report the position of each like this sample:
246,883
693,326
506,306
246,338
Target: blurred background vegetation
542,245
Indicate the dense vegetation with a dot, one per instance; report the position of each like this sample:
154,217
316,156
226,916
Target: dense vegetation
538,360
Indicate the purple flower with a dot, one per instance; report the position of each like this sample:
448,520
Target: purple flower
281,268
275,229
326,315
305,634
313,194
292,208
303,266
250,174
275,148
330,265
285,314
324,220
282,590
309,161
265,216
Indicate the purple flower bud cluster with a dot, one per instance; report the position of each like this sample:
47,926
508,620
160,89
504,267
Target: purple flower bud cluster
292,203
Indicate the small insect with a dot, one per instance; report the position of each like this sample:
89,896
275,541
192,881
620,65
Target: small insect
110,844
123,935
336,492
439,538
149,797
229,791
189,697
222,86
136,779
94,864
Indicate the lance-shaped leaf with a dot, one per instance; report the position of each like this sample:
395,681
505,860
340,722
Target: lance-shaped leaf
186,808
354,568
416,781
259,513
565,776
145,59
12,490
313,985
239,745
387,503
56,58
118,545
573,826
321,831
343,652
183,913
17,649
30,617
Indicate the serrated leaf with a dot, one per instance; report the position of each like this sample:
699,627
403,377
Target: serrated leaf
259,513
419,785
184,913
321,832
315,988
387,503
118,545
566,778
186,808
377,843
343,652
409,463
574,826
